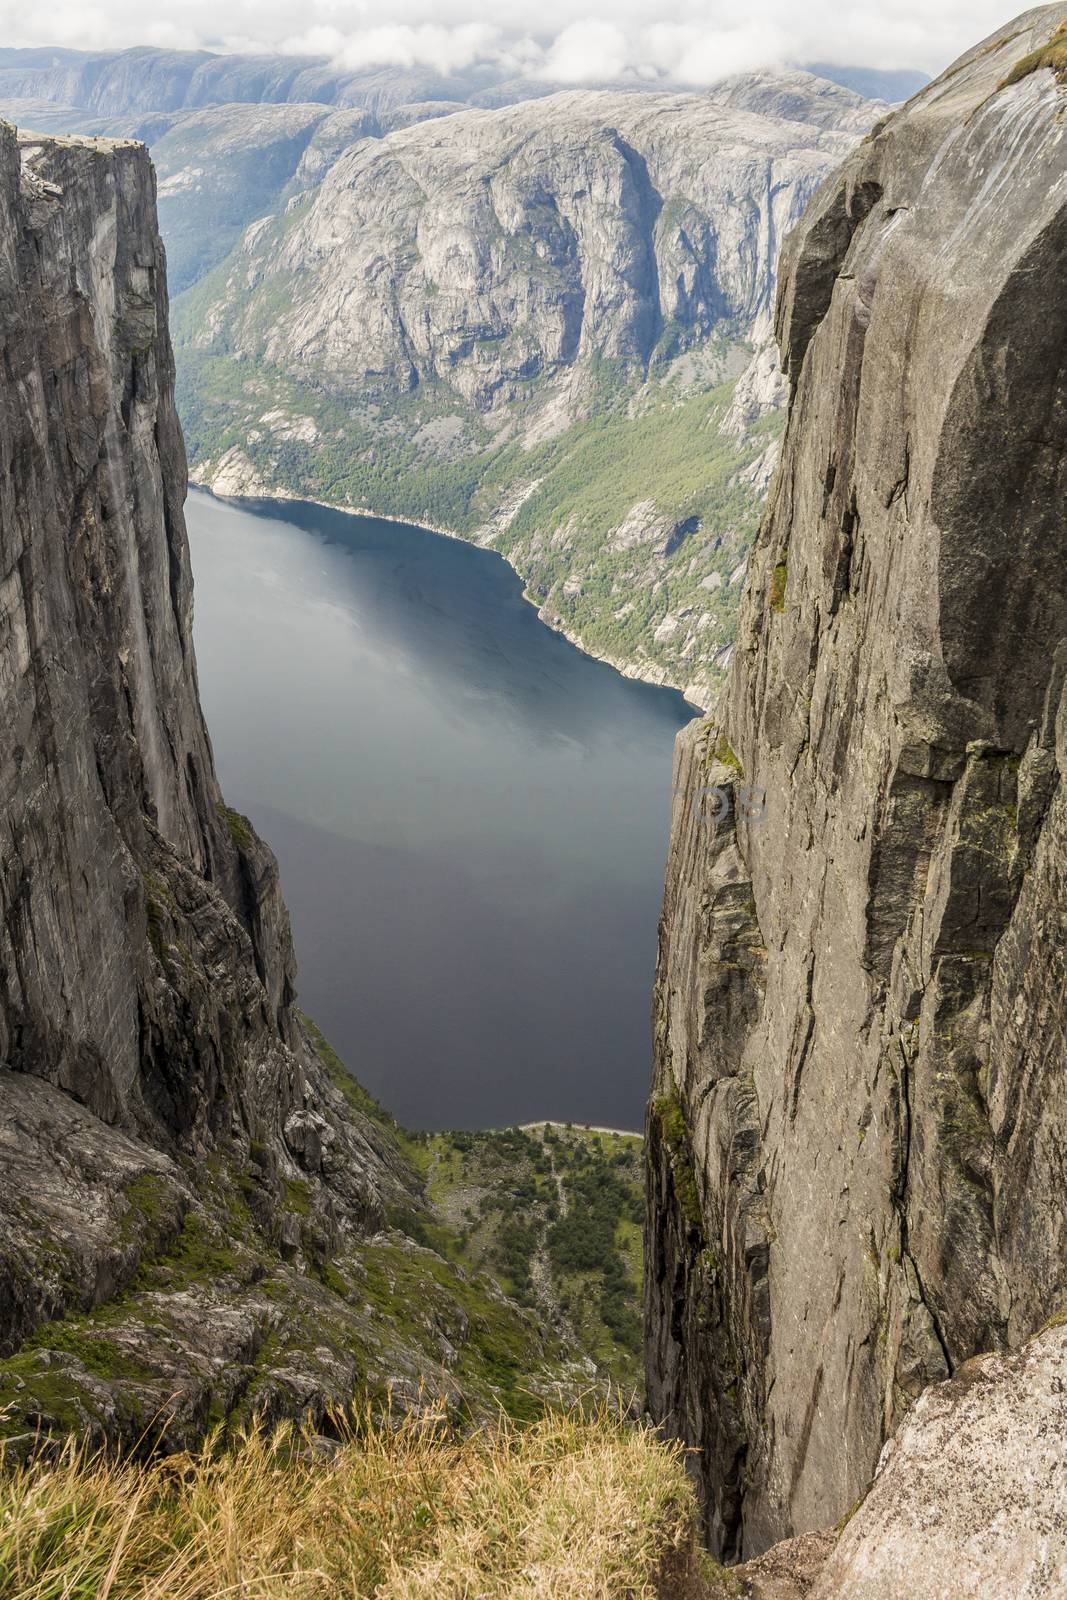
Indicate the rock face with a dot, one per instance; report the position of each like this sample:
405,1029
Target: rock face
856,1129
969,1499
523,325
116,844
508,245
189,1186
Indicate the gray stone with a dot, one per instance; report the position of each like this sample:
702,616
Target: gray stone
970,1500
856,1132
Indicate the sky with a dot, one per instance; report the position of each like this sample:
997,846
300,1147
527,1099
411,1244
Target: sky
573,41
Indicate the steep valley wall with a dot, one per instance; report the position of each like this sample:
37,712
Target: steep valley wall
193,1192
856,1132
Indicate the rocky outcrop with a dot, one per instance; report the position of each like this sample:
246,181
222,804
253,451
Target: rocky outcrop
190,1188
969,1497
855,1134
967,1501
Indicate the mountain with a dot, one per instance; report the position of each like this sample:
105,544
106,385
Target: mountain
118,83
856,1128
482,408
877,83
203,1215
527,326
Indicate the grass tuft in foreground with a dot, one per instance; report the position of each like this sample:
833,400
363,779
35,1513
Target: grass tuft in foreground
574,1507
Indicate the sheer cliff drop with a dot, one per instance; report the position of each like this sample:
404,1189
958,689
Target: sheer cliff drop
192,1211
858,1094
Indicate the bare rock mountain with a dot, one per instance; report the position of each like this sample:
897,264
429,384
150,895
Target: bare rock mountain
194,1194
503,246
856,1130
525,325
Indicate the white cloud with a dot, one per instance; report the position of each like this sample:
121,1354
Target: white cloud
401,45
693,41
705,55
587,50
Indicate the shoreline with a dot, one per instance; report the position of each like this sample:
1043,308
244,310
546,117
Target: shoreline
575,1127
625,669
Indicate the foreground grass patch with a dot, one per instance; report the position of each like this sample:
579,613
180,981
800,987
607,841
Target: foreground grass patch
580,1508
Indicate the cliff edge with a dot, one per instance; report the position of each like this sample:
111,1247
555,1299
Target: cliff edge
855,1154
195,1196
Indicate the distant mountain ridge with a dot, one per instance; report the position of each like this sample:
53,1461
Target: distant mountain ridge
147,78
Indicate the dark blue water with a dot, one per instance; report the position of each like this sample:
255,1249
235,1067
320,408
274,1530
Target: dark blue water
470,814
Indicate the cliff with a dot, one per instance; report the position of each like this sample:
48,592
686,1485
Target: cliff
193,1213
527,326
524,325
855,1134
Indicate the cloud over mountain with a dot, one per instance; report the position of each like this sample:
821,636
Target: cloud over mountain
608,41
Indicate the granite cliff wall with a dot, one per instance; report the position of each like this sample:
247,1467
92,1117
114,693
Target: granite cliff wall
856,1158
114,826
193,1192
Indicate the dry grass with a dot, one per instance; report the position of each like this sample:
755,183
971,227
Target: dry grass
569,1508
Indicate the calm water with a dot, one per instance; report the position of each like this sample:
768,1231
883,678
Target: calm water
471,816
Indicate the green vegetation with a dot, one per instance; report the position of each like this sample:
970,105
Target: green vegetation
238,827
1052,55
159,904
668,1118
587,1239
578,1506
722,752
779,579
555,1215
201,1252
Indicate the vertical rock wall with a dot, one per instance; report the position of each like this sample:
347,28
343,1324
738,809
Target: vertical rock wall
113,828
856,1132
147,1025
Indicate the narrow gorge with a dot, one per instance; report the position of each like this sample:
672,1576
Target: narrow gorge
855,1162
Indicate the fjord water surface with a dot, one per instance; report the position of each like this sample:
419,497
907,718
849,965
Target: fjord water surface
470,814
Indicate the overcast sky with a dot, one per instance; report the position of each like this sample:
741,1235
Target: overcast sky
574,40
